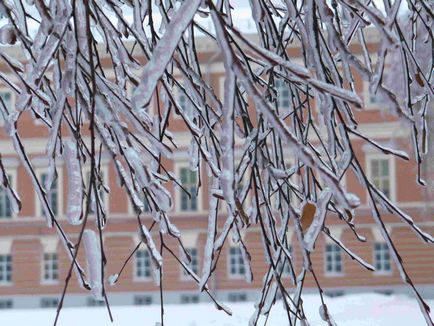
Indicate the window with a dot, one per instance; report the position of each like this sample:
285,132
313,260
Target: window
91,302
236,262
189,298
5,269
188,180
142,300
184,101
372,100
375,99
6,304
287,267
51,268
382,258
49,302
194,261
334,294
6,99
333,259
52,193
237,297
380,175
283,94
5,204
146,206
143,265
100,189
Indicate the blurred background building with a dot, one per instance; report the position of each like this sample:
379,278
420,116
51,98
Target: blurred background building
33,262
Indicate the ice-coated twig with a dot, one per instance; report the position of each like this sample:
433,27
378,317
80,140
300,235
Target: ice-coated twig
93,258
131,85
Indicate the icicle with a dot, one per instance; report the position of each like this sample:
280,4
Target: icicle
94,262
211,233
75,182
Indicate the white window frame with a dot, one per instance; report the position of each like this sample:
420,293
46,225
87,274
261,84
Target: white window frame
48,302
221,81
129,94
382,262
143,300
279,83
178,190
392,172
6,304
131,207
39,211
326,253
177,94
286,273
136,277
240,296
369,105
92,302
105,179
7,90
189,298
236,276
184,275
223,207
13,174
4,266
289,235
50,281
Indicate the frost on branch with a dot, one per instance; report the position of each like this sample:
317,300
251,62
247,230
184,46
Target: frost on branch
112,82
94,262
75,189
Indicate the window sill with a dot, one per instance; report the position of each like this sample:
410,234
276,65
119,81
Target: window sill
383,273
142,279
235,277
48,283
327,274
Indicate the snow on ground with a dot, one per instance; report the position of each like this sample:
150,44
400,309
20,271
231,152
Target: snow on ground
349,310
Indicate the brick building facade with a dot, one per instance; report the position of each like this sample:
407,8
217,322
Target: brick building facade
33,262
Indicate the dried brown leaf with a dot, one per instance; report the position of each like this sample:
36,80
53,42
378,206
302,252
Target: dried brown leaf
307,215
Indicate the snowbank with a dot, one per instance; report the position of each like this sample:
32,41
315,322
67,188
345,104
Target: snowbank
349,310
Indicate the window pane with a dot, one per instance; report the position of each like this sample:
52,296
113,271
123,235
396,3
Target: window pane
188,180
236,262
385,168
333,258
52,194
143,264
375,168
381,175
5,268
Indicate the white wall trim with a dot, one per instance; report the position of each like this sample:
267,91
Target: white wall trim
376,233
6,245
336,232
49,244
